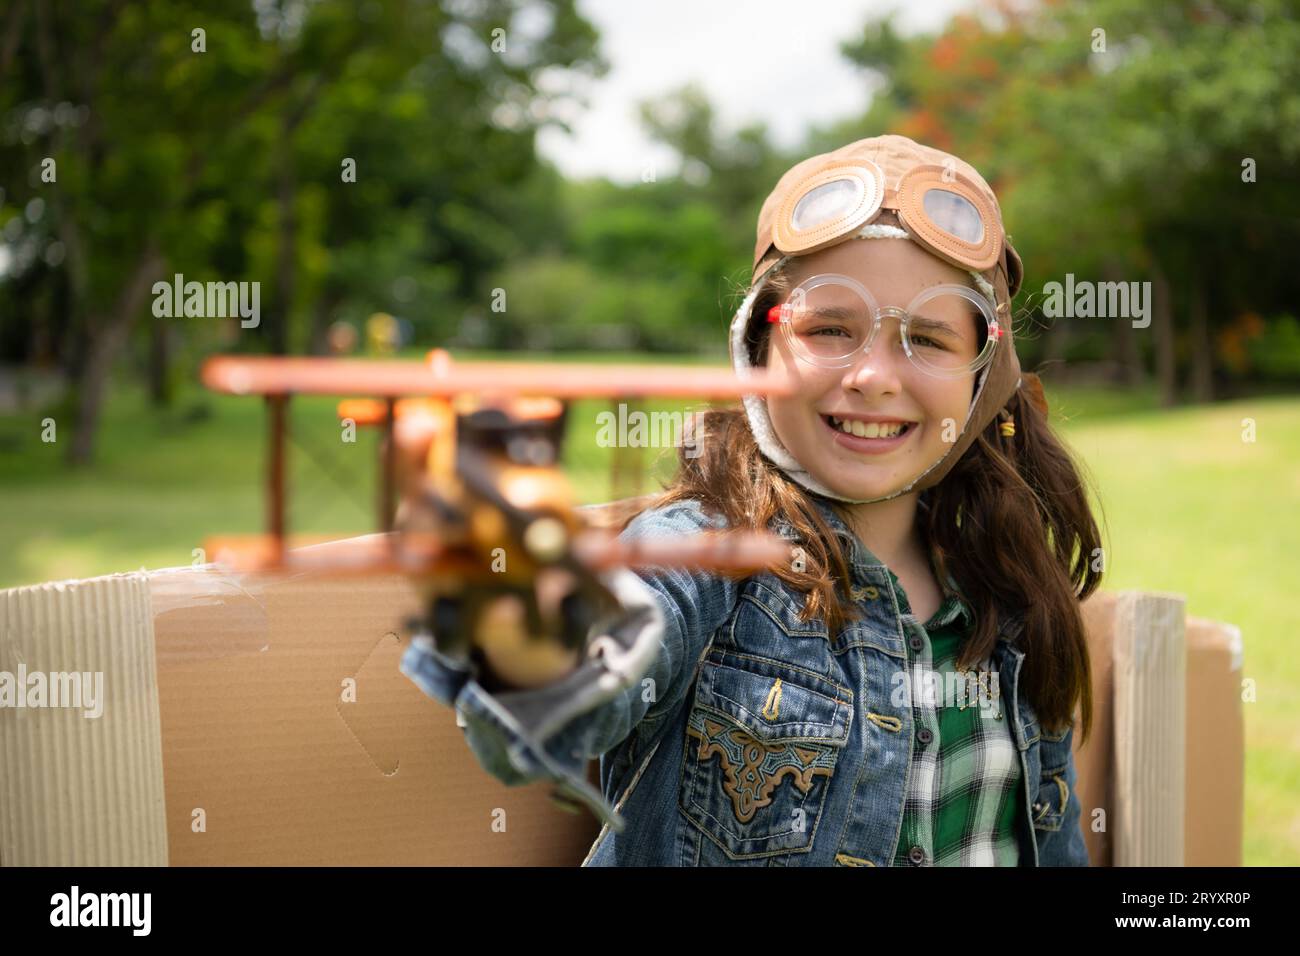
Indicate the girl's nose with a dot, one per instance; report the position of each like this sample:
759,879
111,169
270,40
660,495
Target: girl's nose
880,369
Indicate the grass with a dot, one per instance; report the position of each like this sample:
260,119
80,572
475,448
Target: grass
1188,506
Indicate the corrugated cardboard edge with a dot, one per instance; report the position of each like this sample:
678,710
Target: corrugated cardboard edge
77,790
1150,728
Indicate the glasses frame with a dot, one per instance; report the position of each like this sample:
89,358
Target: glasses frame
783,315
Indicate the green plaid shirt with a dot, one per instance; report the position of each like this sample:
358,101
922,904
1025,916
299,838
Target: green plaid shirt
963,791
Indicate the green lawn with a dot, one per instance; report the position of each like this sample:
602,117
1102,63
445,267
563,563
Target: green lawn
1188,507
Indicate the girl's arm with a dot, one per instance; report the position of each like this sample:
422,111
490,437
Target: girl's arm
551,732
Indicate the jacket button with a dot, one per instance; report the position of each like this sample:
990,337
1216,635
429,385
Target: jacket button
916,856
915,642
924,735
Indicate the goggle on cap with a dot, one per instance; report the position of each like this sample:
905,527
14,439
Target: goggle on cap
888,187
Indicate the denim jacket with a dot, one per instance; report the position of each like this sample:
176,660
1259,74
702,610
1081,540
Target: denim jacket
818,780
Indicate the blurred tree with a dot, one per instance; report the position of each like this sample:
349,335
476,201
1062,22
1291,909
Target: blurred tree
211,142
1159,127
629,265
731,170
1117,134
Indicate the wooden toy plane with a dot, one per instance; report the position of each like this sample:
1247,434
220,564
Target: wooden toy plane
472,498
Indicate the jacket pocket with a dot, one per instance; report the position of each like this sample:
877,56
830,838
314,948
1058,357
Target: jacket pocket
762,741
1053,795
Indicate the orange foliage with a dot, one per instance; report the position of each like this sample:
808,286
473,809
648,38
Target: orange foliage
945,53
924,126
1232,340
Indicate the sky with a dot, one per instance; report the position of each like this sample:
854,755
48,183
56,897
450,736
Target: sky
753,60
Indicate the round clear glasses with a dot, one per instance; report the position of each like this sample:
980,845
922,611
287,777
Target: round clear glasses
830,320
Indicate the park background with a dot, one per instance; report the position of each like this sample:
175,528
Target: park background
1127,141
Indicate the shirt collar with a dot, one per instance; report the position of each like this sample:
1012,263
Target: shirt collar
955,608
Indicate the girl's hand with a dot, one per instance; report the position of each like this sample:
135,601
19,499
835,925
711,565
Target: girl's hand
514,657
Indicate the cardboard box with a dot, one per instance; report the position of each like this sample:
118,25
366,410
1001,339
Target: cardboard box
260,720
1165,764
1095,759
1216,757
248,720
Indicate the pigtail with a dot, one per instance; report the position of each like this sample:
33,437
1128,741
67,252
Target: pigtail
1031,390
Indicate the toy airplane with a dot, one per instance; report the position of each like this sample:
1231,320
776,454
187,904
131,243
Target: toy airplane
484,517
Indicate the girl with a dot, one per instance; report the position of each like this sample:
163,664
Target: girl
903,693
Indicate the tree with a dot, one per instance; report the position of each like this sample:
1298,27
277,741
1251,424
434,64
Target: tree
1116,134
197,142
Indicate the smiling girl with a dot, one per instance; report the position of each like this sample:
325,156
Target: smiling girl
905,692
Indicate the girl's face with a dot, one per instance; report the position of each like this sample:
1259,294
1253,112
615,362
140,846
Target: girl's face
880,387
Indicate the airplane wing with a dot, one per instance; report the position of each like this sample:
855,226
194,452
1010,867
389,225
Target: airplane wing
274,375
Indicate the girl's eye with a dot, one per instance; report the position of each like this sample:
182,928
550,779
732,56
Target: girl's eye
829,329
926,342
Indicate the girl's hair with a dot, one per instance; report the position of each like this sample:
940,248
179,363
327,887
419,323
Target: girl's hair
1011,523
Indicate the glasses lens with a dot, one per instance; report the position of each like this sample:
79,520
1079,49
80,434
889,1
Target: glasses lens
830,320
948,334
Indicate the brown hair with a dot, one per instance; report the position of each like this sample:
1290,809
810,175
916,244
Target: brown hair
1011,523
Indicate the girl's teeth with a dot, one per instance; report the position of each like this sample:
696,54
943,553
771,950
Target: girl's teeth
868,429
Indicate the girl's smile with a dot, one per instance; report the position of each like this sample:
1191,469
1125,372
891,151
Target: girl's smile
869,434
